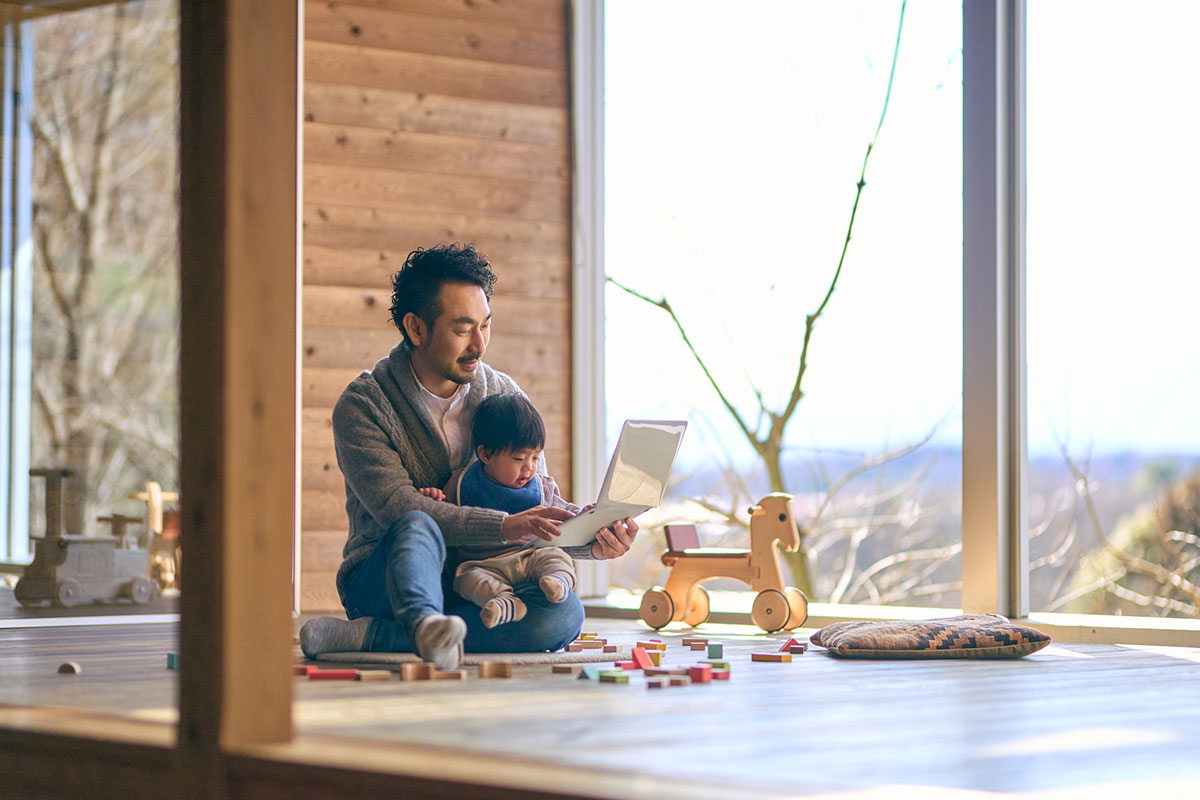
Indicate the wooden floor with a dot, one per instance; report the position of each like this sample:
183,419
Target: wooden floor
1073,717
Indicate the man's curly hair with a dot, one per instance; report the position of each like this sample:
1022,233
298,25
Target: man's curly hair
416,286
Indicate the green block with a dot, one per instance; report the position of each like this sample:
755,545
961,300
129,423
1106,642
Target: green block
613,677
172,660
715,650
717,664
589,674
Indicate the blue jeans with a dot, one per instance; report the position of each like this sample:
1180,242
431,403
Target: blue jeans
402,582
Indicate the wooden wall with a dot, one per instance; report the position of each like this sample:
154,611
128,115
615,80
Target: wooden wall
429,121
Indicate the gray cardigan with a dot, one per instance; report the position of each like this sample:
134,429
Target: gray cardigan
388,448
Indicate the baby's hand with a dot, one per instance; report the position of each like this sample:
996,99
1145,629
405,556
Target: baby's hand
433,493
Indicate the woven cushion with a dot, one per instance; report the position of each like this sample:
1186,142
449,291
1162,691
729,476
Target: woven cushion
968,636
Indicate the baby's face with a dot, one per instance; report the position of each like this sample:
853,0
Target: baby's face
511,468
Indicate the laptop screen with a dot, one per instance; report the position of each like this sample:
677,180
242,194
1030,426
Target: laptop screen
641,463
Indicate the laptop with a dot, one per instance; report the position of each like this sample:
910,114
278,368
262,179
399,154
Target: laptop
635,482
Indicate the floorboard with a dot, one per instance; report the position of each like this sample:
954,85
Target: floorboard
1070,717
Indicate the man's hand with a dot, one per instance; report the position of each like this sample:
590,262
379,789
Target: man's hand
615,540
433,493
540,522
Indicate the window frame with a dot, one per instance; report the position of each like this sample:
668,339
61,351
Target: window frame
995,459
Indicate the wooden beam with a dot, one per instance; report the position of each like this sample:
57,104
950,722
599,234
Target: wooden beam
239,267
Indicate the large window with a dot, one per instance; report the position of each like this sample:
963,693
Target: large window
1113,278
734,144
91,305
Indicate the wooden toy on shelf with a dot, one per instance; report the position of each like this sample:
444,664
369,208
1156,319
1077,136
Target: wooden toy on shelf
776,607
69,570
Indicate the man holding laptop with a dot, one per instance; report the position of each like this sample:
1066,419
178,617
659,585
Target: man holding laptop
404,426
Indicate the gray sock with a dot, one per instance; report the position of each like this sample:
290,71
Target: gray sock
439,639
333,635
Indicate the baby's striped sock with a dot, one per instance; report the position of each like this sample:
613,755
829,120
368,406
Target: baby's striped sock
500,609
557,585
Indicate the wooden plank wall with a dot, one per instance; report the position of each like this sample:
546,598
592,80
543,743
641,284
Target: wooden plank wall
429,121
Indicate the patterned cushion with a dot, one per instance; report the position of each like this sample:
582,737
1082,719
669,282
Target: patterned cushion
968,636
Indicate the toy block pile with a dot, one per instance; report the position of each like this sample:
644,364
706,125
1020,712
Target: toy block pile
410,671
647,657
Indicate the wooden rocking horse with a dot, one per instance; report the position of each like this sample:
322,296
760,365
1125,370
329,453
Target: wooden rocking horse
777,607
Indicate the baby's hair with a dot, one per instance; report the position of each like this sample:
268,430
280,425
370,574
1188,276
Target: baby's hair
508,422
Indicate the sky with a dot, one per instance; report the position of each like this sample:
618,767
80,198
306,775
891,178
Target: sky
733,146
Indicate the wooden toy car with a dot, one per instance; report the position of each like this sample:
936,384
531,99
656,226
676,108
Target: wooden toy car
72,570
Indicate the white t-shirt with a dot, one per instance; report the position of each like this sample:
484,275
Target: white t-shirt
449,417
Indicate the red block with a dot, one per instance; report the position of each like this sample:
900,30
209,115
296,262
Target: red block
640,659
702,674
333,675
627,665
787,646
720,674
303,669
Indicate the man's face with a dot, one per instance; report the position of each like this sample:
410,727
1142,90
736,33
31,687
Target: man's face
452,348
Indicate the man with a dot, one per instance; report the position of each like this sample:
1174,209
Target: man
404,426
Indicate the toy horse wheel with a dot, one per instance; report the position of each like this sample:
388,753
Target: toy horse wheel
771,610
698,607
798,604
657,608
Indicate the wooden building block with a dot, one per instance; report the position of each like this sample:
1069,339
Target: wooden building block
700,674
333,675
640,659
449,675
720,674
495,669
420,671
613,677
688,641
699,646
172,660
303,669
656,657
612,648
295,640
798,649
715,650
717,664
566,669
627,665
72,668
787,646
587,636
778,657
680,680
653,671
374,674
591,644
575,647
652,644
657,683
589,673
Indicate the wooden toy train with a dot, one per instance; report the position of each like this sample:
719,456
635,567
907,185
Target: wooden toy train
776,607
69,570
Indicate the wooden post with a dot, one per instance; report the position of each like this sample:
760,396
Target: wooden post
238,234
